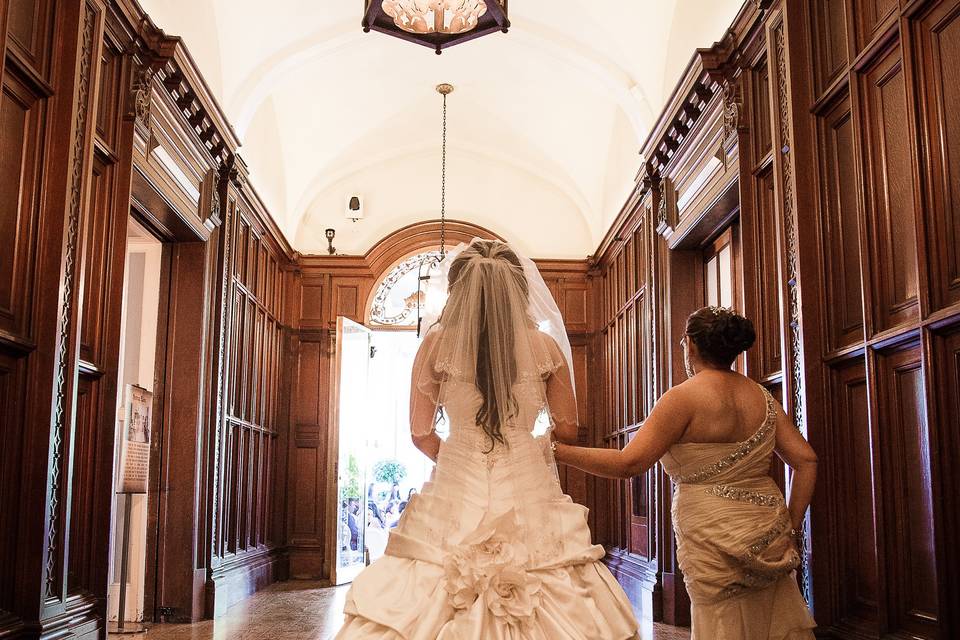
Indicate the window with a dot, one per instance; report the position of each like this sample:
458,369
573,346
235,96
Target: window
720,271
396,301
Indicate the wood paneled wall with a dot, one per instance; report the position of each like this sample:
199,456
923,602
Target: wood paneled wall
103,117
832,121
61,215
249,466
875,103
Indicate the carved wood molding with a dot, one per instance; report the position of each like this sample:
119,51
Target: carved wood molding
212,131
65,331
666,199
223,328
149,48
396,246
732,111
788,209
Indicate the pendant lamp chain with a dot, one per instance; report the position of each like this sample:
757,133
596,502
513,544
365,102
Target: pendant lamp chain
444,90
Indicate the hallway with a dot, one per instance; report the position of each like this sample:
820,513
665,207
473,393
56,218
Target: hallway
299,610
211,211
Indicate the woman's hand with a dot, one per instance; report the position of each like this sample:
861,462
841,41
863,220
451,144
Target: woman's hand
663,427
559,451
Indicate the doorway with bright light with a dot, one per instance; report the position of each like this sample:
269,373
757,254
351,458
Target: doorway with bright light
378,467
137,373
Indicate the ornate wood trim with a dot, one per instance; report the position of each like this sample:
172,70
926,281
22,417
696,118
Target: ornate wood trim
788,209
66,329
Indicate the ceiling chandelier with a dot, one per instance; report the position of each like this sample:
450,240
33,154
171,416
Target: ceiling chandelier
436,16
436,23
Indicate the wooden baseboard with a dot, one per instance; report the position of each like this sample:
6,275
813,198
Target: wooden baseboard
306,563
80,618
639,582
239,578
10,625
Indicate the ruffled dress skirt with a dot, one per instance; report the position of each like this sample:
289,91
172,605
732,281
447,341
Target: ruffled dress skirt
491,549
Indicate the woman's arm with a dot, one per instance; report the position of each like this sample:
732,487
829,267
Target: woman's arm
660,430
423,406
796,452
562,402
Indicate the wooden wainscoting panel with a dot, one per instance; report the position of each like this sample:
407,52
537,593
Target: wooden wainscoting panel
348,297
29,32
573,295
839,226
935,52
869,17
758,86
21,131
852,475
11,408
84,445
828,28
947,394
112,95
910,566
769,320
312,308
97,256
891,222
309,404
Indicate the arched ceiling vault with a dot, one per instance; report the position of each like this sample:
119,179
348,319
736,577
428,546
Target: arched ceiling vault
544,125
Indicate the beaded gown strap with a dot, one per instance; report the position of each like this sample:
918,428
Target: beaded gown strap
706,472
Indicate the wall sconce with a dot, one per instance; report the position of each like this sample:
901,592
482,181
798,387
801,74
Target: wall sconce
330,233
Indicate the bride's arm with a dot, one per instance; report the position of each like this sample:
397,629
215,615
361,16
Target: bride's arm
661,429
424,390
796,452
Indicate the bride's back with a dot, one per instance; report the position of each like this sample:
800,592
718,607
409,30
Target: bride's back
464,399
486,361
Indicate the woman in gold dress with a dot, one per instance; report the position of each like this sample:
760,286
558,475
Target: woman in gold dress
715,435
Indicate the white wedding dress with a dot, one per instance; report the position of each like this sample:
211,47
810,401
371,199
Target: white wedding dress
491,549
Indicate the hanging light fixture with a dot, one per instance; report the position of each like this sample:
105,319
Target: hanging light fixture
436,23
432,263
435,16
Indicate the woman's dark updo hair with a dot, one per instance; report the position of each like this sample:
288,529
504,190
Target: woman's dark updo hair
720,334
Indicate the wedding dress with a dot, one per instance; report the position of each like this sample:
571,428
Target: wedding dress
491,548
733,539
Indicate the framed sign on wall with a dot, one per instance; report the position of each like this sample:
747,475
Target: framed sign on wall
135,447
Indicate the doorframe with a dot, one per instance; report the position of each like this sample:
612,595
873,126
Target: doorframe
332,510
181,243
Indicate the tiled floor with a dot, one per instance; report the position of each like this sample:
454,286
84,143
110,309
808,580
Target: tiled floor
295,610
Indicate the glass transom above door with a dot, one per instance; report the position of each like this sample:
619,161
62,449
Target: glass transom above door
395,303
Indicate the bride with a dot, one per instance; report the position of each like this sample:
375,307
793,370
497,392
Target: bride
491,548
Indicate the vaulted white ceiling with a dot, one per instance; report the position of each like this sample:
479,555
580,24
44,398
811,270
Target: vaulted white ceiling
544,126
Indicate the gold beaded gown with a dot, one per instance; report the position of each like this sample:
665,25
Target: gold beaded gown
733,539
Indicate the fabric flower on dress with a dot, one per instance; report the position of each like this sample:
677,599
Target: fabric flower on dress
513,595
462,583
493,568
